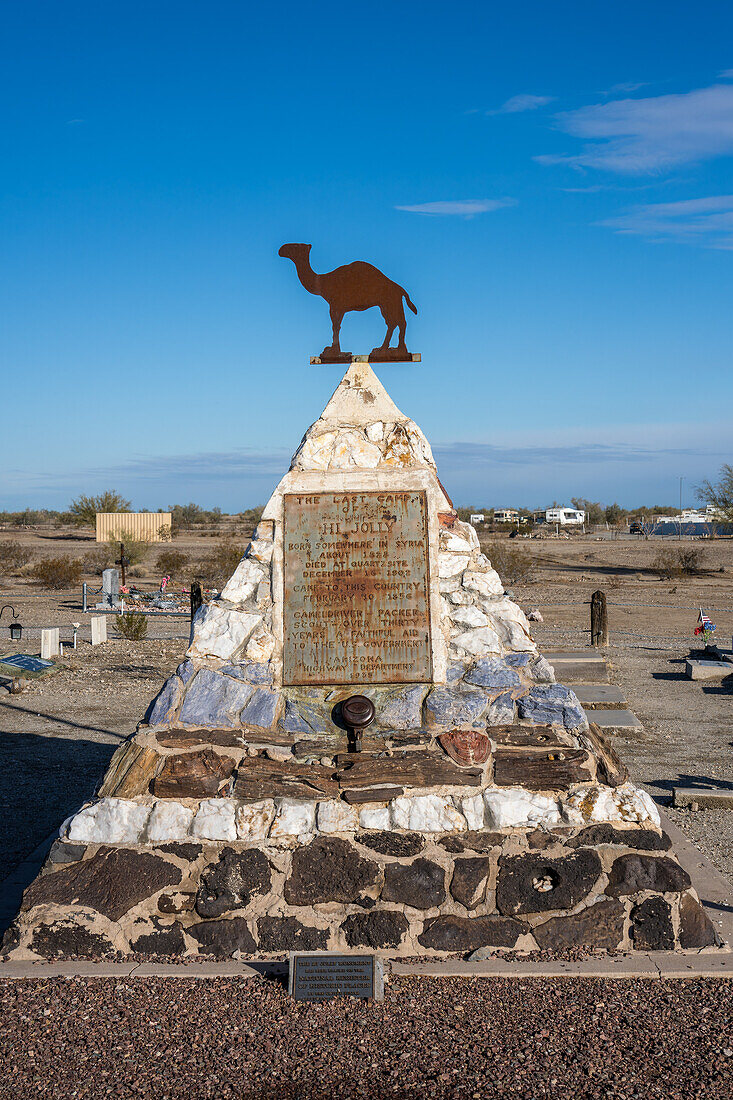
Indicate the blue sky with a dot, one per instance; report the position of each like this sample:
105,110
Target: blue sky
551,183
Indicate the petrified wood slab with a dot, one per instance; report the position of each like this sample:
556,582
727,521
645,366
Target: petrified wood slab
466,747
538,770
371,794
259,777
131,770
228,739
416,768
611,768
193,775
532,736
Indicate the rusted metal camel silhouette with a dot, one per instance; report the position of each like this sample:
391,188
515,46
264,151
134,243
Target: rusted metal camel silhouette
356,286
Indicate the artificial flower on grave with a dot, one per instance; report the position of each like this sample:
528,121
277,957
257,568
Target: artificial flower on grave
705,627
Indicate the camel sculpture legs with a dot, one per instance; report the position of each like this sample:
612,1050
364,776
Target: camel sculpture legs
394,317
337,316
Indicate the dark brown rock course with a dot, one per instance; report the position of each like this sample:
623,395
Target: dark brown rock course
371,794
328,869
160,939
232,882
193,775
631,874
696,928
288,934
600,925
393,844
450,933
258,777
223,937
468,884
651,925
472,842
413,768
189,852
379,929
643,840
64,939
420,884
111,882
538,770
535,883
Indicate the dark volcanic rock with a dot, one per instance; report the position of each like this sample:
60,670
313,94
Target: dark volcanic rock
182,850
696,929
159,939
536,883
643,840
651,925
468,885
469,933
630,874
328,869
111,881
420,884
472,842
232,882
181,901
63,939
223,937
380,928
288,934
600,925
393,844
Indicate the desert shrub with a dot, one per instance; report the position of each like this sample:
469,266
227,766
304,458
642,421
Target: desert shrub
132,625
61,572
680,562
84,510
135,549
511,563
14,555
98,559
219,564
170,561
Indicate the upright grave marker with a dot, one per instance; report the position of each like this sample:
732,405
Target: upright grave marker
50,643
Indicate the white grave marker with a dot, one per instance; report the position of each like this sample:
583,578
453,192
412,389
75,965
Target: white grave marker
50,643
99,629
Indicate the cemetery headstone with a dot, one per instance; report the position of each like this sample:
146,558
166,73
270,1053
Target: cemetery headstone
50,643
110,590
99,629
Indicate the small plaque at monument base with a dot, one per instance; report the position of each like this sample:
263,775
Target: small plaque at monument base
320,975
356,601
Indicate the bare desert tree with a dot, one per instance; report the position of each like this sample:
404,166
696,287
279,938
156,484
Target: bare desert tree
720,494
84,509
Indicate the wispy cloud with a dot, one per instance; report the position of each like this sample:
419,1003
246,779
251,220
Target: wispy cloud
519,103
727,74
652,134
462,208
627,88
707,222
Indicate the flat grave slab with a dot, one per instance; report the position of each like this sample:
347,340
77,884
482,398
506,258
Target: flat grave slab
25,665
708,670
713,797
615,720
573,655
600,696
578,672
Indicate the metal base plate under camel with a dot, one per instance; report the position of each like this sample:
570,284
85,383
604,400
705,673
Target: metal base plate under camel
479,811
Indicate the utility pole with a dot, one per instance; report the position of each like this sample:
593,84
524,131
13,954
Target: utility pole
680,525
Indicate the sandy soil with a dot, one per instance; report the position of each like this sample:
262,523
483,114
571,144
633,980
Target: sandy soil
60,733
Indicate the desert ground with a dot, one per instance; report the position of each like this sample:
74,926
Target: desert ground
61,731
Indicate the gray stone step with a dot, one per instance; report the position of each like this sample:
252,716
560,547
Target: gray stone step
718,797
578,672
708,670
600,696
625,721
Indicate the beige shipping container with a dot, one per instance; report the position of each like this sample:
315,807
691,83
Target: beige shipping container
147,526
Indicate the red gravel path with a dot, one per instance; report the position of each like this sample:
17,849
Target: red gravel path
451,1037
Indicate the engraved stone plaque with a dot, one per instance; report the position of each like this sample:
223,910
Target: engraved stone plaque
356,603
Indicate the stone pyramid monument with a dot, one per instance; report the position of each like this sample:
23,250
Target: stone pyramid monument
251,812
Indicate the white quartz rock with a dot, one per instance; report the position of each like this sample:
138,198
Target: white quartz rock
506,809
337,817
168,821
426,813
293,818
110,821
260,647
468,532
219,632
254,819
626,803
468,617
450,565
483,641
353,450
472,808
315,451
375,431
486,584
374,816
214,819
243,582
451,542
261,550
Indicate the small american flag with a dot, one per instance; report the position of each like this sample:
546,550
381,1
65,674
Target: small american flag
706,623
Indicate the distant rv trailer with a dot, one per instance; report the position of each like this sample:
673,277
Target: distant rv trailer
506,515
565,517
477,517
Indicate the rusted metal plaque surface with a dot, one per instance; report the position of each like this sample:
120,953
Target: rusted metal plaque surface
356,607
